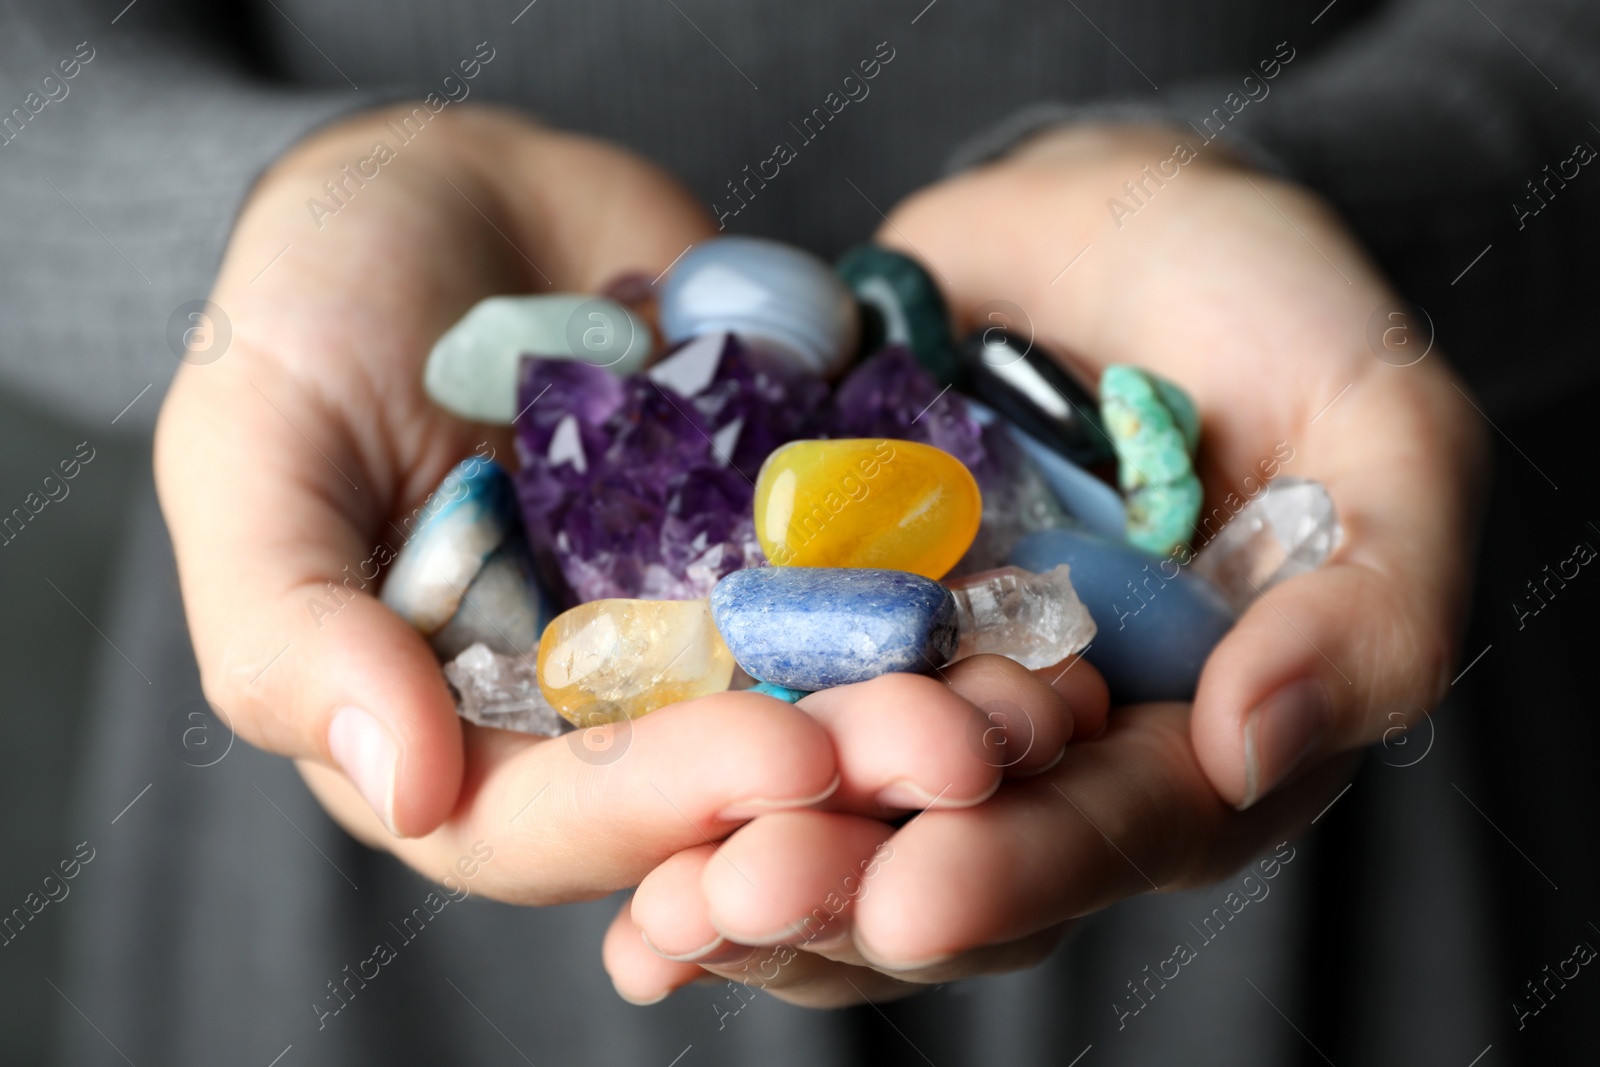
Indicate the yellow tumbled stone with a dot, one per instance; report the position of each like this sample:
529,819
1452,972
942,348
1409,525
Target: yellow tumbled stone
897,505
609,660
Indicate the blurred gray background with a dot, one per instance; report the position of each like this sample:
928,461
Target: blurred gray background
45,649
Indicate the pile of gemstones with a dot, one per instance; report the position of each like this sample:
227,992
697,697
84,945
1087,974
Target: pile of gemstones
762,472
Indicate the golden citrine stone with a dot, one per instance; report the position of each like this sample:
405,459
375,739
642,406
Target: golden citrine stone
896,505
610,660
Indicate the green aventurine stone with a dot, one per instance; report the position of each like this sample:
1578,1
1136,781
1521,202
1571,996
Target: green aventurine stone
900,304
472,370
1161,517
1155,429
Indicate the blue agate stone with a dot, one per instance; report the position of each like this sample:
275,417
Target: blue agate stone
773,296
811,628
1083,496
464,544
1157,623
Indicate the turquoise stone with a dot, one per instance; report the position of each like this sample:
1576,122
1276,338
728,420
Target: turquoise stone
901,304
775,297
1156,622
788,696
1162,517
811,628
472,370
1155,429
1150,440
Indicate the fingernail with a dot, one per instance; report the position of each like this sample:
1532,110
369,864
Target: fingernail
368,756
713,951
907,794
749,809
640,1002
1279,733
1059,756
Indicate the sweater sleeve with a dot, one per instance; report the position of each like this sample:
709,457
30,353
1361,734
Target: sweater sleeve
1457,138
128,141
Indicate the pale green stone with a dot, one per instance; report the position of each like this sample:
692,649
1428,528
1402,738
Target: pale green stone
472,370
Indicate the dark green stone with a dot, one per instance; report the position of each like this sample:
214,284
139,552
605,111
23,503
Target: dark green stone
900,304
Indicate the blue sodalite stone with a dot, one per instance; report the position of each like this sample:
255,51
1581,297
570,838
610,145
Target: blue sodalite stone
1157,622
810,628
773,296
464,542
788,696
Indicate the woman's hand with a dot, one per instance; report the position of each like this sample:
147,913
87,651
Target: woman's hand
286,462
1249,294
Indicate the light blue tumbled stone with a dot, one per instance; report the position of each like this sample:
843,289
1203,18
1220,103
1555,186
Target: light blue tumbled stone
1087,499
447,540
811,628
788,696
1157,623
472,370
774,296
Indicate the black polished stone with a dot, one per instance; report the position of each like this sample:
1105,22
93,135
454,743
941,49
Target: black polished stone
1025,384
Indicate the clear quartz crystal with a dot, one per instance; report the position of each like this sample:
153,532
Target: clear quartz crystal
502,691
1035,619
1288,530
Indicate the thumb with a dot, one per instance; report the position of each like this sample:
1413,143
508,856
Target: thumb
279,586
1335,659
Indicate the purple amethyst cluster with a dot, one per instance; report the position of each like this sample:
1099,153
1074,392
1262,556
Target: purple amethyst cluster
642,486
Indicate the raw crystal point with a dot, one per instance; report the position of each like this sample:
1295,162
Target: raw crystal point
777,297
501,691
610,660
1289,529
810,628
457,528
472,370
1035,619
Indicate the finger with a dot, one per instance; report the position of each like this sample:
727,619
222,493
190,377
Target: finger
1030,715
909,742
669,908
1334,659
792,877
640,976
1130,813
805,979
572,821
278,579
904,741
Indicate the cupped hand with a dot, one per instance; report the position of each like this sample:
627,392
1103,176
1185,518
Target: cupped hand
1249,294
286,463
